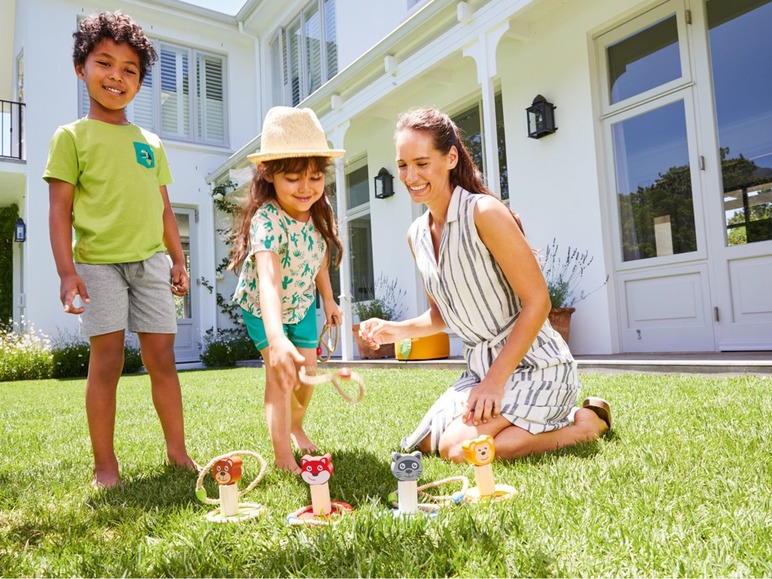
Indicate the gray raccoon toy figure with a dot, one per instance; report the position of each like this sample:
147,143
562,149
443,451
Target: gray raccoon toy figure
406,467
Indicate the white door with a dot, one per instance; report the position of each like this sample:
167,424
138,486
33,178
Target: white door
689,171
186,345
740,186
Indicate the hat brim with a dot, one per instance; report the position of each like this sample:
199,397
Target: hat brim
273,155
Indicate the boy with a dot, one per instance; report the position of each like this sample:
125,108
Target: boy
107,181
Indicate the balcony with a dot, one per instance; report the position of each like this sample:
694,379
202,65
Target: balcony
12,131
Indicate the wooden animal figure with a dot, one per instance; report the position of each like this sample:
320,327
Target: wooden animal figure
316,471
407,469
227,470
480,452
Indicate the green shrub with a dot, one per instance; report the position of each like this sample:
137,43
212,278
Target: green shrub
132,360
24,355
227,347
71,359
71,356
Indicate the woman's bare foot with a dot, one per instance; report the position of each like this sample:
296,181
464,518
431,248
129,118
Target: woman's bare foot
593,426
302,441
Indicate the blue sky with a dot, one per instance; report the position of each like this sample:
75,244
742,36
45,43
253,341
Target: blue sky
227,6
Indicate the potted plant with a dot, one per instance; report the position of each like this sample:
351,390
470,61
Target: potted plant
563,274
386,305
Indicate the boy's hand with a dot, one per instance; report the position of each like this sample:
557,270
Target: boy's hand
72,286
180,280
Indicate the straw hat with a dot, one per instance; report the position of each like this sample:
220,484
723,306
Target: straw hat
290,132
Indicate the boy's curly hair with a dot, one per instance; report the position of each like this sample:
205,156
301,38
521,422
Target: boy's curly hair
119,28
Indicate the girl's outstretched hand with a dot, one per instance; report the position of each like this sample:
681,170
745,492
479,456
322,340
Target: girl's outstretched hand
284,359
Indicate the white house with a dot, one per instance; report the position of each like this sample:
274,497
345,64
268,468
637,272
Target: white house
660,167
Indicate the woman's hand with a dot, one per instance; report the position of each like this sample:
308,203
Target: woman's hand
376,332
484,402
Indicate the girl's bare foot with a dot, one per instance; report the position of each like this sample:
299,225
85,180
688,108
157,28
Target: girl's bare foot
302,441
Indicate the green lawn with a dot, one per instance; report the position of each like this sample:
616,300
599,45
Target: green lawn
681,487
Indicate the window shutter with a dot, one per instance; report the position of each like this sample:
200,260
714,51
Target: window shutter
175,92
279,72
312,33
297,88
83,102
330,39
211,100
142,105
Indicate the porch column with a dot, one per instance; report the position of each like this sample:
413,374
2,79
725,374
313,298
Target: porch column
344,331
483,51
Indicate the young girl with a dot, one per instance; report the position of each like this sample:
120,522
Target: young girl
283,245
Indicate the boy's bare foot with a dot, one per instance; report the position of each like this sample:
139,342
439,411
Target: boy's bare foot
288,465
104,479
185,463
302,441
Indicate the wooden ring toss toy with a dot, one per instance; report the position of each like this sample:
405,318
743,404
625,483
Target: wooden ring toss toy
480,453
407,469
328,340
316,471
314,377
226,471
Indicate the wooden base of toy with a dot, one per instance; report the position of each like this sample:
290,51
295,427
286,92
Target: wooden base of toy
500,492
306,516
245,512
438,501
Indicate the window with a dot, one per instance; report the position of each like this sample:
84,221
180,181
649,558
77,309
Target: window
359,230
469,122
182,97
304,55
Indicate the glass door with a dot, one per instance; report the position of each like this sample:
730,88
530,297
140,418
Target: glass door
740,45
186,343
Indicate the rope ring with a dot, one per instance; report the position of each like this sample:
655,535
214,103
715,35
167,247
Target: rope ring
201,491
440,500
317,377
328,340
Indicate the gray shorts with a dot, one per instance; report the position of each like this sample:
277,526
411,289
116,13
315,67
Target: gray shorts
135,295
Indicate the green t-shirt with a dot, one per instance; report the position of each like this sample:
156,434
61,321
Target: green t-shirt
117,172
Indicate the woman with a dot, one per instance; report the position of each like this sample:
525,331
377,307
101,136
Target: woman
521,385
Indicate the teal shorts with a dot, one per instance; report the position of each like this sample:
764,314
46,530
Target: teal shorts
302,335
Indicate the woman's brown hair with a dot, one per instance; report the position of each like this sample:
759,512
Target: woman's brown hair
445,135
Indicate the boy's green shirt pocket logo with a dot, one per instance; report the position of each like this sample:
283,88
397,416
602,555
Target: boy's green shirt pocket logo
145,155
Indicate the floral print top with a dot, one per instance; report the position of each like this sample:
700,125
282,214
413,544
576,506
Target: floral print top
301,250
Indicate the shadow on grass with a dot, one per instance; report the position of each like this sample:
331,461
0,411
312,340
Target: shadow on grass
171,487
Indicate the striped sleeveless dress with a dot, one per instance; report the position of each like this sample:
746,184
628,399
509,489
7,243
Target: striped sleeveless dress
478,304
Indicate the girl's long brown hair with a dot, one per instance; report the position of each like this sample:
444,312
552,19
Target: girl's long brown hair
445,134
261,191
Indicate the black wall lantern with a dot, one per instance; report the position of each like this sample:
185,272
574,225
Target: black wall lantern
541,118
20,231
384,184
